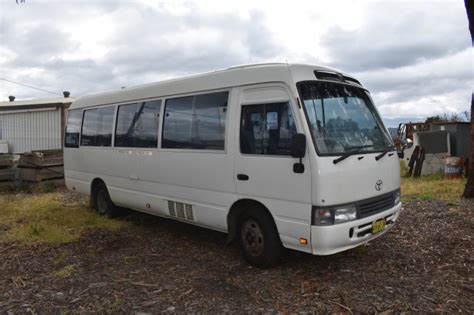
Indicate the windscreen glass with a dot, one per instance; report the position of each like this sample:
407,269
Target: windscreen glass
342,118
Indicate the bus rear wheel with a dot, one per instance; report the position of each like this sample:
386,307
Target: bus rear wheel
259,241
103,204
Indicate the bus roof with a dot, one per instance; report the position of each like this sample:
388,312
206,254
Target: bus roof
220,79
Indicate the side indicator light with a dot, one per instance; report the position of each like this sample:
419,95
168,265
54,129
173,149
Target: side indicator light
303,241
148,206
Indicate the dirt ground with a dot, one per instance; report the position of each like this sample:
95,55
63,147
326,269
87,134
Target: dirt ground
424,264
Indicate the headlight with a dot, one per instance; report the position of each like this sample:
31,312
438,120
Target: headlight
397,198
329,216
345,214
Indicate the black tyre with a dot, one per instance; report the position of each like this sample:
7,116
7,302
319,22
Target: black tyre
102,202
259,241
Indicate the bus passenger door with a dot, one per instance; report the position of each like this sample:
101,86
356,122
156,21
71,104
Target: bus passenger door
263,164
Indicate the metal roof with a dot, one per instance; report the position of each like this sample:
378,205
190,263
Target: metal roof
39,102
36,103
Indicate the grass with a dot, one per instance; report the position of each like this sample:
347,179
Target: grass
41,187
42,218
431,187
65,271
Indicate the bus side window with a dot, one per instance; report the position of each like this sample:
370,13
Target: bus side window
97,127
73,128
137,125
266,129
195,122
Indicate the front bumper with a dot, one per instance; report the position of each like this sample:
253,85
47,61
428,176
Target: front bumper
327,240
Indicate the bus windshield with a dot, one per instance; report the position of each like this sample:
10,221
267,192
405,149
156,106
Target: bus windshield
341,118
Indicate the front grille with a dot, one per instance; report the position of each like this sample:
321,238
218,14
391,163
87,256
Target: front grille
375,205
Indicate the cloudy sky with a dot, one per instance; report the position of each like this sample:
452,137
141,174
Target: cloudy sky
414,56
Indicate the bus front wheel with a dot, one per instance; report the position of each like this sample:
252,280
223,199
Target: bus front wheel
259,241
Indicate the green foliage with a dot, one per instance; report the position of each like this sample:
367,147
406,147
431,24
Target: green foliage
451,117
24,187
35,229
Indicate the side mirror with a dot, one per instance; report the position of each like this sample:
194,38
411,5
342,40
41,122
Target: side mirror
298,146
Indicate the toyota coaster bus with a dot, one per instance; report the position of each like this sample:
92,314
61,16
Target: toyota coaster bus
276,155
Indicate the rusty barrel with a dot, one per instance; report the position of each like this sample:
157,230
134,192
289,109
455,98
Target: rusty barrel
454,167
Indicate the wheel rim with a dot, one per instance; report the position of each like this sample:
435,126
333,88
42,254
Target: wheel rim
252,238
102,204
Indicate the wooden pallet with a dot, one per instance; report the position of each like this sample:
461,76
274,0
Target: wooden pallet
6,160
6,157
6,186
40,174
7,174
41,159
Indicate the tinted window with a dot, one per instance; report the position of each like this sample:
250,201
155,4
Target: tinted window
196,122
97,127
73,128
266,129
137,125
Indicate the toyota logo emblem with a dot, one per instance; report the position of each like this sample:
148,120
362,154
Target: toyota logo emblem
378,185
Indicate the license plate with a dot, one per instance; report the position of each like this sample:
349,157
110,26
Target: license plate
378,226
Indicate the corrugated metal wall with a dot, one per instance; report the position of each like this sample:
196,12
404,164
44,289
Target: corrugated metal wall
459,136
463,137
28,130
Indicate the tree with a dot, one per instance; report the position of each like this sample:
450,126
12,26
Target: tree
452,117
469,189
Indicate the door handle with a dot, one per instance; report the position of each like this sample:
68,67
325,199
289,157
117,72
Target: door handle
242,177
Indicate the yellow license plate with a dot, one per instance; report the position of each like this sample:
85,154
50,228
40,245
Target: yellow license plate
378,226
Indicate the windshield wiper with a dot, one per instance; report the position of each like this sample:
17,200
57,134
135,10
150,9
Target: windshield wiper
381,155
352,151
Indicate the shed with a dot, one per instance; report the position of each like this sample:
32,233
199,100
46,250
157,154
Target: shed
459,136
33,124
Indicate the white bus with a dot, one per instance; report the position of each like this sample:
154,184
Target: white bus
276,155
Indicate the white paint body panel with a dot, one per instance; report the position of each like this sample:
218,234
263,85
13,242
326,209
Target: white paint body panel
145,179
272,181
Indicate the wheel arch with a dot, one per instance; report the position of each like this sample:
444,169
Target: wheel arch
237,209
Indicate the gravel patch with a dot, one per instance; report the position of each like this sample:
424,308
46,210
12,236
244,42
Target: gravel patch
424,264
